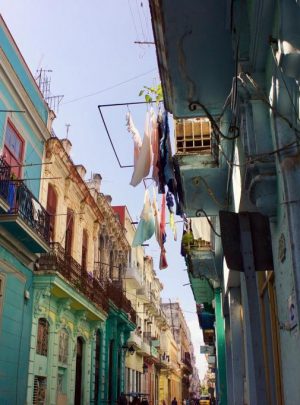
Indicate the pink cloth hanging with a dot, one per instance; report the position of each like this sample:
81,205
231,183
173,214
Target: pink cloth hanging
144,159
163,259
137,141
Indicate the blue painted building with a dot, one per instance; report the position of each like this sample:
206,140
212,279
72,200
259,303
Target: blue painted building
236,65
24,224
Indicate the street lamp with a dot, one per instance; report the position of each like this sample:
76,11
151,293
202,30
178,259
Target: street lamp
145,368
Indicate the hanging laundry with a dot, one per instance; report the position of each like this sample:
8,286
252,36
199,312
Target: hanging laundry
163,264
166,151
170,204
137,141
155,145
156,218
159,164
143,162
173,225
201,229
163,219
163,260
146,226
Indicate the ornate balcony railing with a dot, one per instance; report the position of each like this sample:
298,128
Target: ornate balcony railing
147,337
187,360
117,295
4,178
57,260
22,202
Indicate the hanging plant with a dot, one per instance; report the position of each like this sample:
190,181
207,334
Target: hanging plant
152,94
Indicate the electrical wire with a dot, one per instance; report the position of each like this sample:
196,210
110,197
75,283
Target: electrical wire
133,20
233,128
285,84
198,214
266,100
110,87
209,190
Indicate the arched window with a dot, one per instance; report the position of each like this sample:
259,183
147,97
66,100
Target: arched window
42,337
111,265
100,266
51,208
84,250
63,346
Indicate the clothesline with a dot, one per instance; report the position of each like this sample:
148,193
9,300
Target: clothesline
106,128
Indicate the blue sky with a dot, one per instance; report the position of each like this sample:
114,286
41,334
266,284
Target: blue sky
89,46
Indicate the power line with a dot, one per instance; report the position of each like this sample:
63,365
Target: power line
110,87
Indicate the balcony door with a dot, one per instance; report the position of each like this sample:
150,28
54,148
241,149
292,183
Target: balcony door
51,209
69,232
13,150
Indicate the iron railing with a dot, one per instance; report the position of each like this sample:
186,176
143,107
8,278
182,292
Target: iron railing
22,202
117,296
57,260
5,171
147,337
187,360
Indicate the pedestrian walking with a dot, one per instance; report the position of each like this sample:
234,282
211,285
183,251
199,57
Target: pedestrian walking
174,402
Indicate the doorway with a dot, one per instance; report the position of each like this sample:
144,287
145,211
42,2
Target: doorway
79,368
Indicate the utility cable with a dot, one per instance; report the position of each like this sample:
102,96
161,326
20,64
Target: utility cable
285,84
110,87
198,214
193,106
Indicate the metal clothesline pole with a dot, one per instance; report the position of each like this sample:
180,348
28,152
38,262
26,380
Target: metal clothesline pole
106,129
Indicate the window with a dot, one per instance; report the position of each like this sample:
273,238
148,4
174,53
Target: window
111,265
51,208
69,232
39,390
84,250
13,149
63,346
42,337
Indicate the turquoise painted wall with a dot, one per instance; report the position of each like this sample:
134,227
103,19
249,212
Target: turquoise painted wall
34,145
16,62
15,331
221,350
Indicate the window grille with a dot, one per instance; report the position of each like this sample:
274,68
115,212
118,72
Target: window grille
39,390
63,346
193,136
42,337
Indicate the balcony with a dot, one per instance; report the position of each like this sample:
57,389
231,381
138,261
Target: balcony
57,261
22,215
186,360
116,294
4,185
143,293
134,277
135,340
202,290
154,352
201,172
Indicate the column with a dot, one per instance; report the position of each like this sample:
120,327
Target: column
228,361
237,346
251,307
221,353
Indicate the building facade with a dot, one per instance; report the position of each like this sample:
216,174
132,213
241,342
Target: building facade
24,223
81,316
240,170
